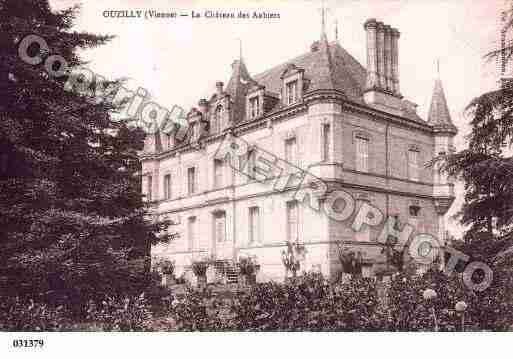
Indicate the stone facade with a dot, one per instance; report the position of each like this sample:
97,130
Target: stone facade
333,97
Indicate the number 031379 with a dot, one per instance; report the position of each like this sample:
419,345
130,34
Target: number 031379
28,343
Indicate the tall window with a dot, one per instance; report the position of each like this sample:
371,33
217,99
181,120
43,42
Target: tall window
220,226
216,120
218,173
414,213
413,165
191,180
291,92
254,107
362,154
291,150
326,141
292,221
250,166
191,232
167,186
149,185
254,225
168,140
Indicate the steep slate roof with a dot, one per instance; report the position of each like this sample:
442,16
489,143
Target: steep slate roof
329,67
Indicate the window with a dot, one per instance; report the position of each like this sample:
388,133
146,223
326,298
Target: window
149,188
254,225
218,173
291,150
291,92
362,154
292,221
413,166
220,226
326,142
191,232
247,164
414,212
167,186
250,170
216,120
254,107
191,180
168,141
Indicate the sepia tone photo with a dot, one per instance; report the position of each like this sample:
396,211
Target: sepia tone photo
306,166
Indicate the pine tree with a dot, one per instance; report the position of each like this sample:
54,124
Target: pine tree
72,219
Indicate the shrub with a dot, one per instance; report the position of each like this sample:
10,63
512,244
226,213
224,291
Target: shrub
309,303
121,314
200,310
410,311
26,315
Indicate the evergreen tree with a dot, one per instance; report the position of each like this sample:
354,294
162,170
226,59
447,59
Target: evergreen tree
72,219
486,165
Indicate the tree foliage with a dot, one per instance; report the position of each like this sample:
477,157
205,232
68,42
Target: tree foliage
74,225
486,165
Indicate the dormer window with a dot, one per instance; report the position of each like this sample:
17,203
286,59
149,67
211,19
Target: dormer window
292,85
255,102
254,107
291,92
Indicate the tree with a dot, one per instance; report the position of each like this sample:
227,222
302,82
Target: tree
486,165
72,217
486,168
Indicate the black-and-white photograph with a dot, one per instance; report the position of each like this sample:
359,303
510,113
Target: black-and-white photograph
262,166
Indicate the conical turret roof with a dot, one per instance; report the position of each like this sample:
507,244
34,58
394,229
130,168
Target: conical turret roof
439,115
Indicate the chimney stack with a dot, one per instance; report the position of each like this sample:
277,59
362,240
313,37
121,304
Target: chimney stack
219,87
372,65
388,59
382,57
203,107
395,60
380,41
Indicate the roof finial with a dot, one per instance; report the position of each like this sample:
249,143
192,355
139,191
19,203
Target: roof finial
336,30
240,49
324,11
438,67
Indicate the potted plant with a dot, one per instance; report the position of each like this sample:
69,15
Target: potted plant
292,258
248,268
167,268
199,268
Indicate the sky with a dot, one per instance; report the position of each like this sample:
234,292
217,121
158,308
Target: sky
179,60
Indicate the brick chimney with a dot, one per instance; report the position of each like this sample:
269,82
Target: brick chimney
395,60
382,57
372,55
203,107
219,88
